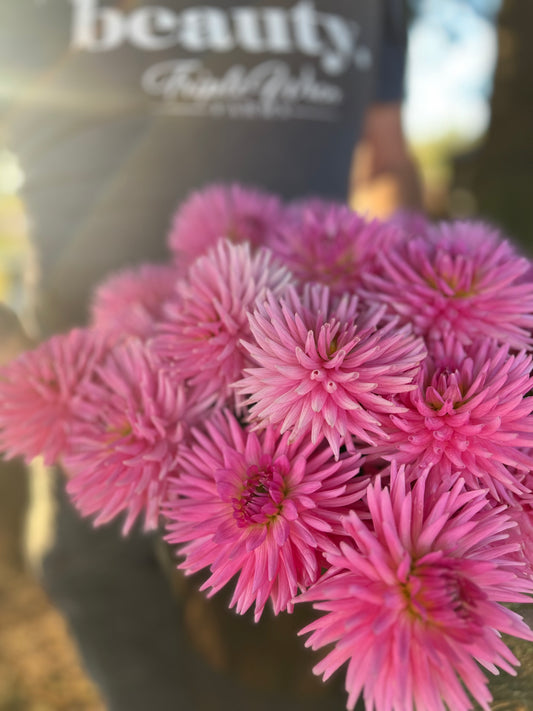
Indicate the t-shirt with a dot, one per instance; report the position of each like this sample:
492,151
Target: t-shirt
118,110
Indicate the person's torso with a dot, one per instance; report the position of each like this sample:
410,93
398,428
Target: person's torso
125,107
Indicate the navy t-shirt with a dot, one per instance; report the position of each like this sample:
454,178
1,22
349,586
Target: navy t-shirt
118,110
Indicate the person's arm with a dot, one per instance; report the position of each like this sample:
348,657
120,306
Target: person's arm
384,177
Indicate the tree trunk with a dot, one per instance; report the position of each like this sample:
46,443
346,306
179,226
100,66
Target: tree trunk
500,174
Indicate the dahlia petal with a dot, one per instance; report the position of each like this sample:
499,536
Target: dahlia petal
249,523
122,448
38,392
333,390
416,598
461,278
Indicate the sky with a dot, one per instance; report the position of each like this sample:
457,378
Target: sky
451,58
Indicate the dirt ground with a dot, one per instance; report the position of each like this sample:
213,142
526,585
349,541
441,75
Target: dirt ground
39,665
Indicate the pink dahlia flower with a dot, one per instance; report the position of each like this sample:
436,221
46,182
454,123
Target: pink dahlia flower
331,244
37,392
259,508
200,337
132,420
468,413
461,278
130,302
522,514
326,369
413,602
520,510
232,212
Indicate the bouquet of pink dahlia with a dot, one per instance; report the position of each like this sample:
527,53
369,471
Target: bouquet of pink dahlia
318,408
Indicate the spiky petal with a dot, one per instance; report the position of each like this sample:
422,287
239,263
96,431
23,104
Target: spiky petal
132,420
233,212
413,601
331,244
259,509
200,337
469,412
37,392
520,510
460,278
326,369
130,302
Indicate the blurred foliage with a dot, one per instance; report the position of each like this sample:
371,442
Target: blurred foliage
435,160
14,243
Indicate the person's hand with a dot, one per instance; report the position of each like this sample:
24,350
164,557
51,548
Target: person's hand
384,175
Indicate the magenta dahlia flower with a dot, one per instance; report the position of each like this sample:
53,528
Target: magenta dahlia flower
468,413
413,602
37,392
132,420
200,336
130,302
331,244
259,508
325,369
232,212
460,278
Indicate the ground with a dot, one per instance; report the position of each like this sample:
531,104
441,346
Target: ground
39,665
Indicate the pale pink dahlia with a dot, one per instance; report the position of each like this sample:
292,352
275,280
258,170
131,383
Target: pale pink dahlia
132,420
413,602
200,336
460,278
258,508
233,212
331,244
130,302
325,368
469,413
37,392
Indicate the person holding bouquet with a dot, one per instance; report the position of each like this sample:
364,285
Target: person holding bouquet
118,111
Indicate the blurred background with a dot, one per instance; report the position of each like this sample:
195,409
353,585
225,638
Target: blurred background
468,115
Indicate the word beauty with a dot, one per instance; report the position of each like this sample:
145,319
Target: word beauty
301,28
